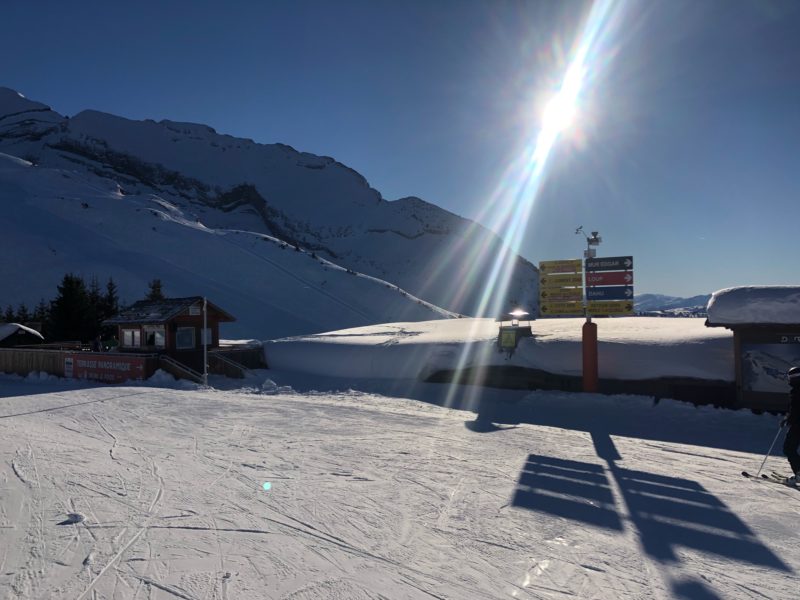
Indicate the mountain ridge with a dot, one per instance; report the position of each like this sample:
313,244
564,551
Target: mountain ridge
225,183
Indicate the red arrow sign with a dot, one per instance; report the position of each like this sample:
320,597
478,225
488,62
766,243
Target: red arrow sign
610,278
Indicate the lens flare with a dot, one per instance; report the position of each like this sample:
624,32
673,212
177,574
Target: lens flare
510,206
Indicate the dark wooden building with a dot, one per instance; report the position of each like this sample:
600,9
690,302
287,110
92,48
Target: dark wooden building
172,326
765,321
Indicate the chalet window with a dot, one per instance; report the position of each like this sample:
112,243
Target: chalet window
206,337
184,338
131,338
154,336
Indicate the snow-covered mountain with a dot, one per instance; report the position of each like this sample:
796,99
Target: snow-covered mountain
659,303
201,185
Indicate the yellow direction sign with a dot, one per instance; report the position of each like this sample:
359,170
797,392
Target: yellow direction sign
562,280
611,307
552,309
560,294
561,266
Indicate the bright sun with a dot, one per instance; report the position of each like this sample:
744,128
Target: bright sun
559,113
561,109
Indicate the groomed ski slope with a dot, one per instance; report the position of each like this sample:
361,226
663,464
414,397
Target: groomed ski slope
382,493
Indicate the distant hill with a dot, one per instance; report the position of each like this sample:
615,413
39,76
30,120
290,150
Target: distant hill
660,304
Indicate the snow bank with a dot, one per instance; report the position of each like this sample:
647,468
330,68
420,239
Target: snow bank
764,305
630,348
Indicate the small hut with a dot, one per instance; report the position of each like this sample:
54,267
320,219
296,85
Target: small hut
171,326
765,321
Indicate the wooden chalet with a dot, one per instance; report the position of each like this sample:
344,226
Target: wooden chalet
172,326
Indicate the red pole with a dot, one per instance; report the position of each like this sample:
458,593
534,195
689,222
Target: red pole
589,356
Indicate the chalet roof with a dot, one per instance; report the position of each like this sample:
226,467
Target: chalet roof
162,311
746,306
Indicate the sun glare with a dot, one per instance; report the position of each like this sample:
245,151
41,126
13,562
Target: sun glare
510,206
559,113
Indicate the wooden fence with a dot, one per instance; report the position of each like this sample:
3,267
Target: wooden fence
23,361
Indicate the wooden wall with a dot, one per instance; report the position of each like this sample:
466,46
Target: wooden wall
22,362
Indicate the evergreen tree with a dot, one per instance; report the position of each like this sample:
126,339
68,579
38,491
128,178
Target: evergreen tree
41,314
71,313
110,307
111,299
155,292
96,313
9,316
23,316
42,311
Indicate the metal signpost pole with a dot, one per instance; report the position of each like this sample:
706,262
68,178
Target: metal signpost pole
589,331
205,342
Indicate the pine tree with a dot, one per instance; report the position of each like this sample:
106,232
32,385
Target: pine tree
155,292
42,311
96,314
9,316
23,316
110,306
41,315
71,314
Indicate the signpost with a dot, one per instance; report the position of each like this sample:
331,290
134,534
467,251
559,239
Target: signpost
608,292
561,294
560,266
608,308
609,278
562,280
553,309
609,286
561,288
610,263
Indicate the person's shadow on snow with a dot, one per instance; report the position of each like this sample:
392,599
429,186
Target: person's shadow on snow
484,423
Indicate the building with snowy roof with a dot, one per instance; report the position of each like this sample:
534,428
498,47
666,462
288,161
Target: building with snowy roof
171,326
765,321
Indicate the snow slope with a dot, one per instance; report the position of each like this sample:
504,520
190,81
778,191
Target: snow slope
377,495
233,183
629,348
59,220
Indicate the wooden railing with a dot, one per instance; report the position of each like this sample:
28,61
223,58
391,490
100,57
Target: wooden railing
178,369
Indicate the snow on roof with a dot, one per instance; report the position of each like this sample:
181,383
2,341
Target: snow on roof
755,305
8,329
161,311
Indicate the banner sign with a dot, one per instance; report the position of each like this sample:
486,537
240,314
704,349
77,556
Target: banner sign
114,367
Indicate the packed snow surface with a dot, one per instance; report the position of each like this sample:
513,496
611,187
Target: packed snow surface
758,305
312,489
629,348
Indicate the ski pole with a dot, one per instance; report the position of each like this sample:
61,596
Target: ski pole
763,462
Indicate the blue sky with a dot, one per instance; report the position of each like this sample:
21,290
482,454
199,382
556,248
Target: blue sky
685,152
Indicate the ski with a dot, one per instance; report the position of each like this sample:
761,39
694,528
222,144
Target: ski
769,479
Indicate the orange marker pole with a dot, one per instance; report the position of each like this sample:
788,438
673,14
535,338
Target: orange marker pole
589,356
